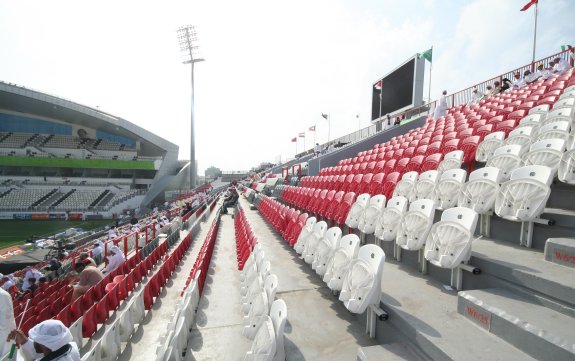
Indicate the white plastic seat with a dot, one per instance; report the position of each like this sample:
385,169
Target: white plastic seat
304,234
110,347
264,346
486,148
368,220
126,325
523,198
251,263
480,191
76,331
448,188
318,233
406,186
568,92
309,254
324,252
338,265
362,283
263,272
547,152
390,218
426,184
449,241
278,314
555,130
136,307
253,270
533,120
506,158
271,286
563,112
415,225
255,288
93,354
258,312
540,109
566,172
451,160
356,210
521,136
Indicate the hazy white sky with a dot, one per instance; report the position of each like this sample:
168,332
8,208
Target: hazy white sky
272,67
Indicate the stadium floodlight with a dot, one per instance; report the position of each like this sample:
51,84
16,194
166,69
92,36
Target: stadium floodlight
187,37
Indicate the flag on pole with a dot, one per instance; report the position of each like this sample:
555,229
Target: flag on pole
428,54
301,135
293,140
529,4
312,128
324,116
378,85
566,47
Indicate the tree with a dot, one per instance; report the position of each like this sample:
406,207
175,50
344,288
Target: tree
213,172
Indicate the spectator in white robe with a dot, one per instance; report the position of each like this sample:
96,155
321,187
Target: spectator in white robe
561,66
518,81
48,340
115,259
30,273
441,108
7,323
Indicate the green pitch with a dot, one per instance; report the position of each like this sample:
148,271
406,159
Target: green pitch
14,232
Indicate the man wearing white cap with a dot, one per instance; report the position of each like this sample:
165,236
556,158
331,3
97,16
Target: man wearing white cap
7,322
30,273
115,259
49,341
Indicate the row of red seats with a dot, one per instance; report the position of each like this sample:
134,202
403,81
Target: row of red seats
245,238
329,204
204,258
287,221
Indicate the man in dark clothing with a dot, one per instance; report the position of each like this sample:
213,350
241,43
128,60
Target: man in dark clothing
230,199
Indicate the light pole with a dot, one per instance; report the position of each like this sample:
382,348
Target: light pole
186,37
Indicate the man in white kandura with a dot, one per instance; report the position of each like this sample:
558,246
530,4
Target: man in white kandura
441,108
115,259
7,323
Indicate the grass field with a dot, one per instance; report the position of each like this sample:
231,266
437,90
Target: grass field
75,163
14,232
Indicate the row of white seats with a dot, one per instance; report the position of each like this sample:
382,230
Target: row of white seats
264,316
346,268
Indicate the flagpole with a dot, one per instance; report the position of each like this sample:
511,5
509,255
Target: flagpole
304,145
296,140
314,131
534,35
328,127
380,97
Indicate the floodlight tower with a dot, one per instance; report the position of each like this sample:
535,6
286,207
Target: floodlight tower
187,37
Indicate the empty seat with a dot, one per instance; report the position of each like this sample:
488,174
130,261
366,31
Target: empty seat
406,186
451,160
540,109
305,232
369,217
426,184
362,283
264,346
312,240
324,251
357,210
561,114
566,172
506,158
521,136
390,218
488,145
446,193
547,152
257,315
278,314
524,196
480,191
337,267
309,253
415,225
559,130
449,241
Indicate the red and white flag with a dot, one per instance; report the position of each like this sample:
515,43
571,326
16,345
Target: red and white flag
378,85
301,135
293,140
529,4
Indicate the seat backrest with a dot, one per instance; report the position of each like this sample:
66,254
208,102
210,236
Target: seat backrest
464,216
538,173
271,285
540,109
554,127
319,229
555,144
457,175
278,315
491,173
513,149
410,176
424,206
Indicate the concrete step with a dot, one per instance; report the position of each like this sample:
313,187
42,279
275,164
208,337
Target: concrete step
506,266
392,352
560,251
541,332
425,313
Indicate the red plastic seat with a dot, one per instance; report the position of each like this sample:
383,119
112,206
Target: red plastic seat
414,164
89,324
451,145
76,309
401,164
431,162
364,184
64,316
433,148
485,130
376,185
507,126
390,183
469,147
379,166
389,166
346,203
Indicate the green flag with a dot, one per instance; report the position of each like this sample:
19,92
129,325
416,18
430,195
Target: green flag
565,47
428,54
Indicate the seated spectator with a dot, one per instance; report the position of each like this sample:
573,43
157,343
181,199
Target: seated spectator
30,273
397,121
475,97
230,199
561,66
32,286
317,149
518,82
54,264
537,73
488,91
530,77
115,259
505,84
89,276
86,256
9,285
548,72
48,340
97,252
112,233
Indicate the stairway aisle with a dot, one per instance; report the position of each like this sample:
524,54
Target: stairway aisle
217,334
318,326
146,339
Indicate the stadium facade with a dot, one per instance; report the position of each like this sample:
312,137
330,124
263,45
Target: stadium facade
60,158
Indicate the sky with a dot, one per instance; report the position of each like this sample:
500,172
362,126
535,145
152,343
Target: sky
271,67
